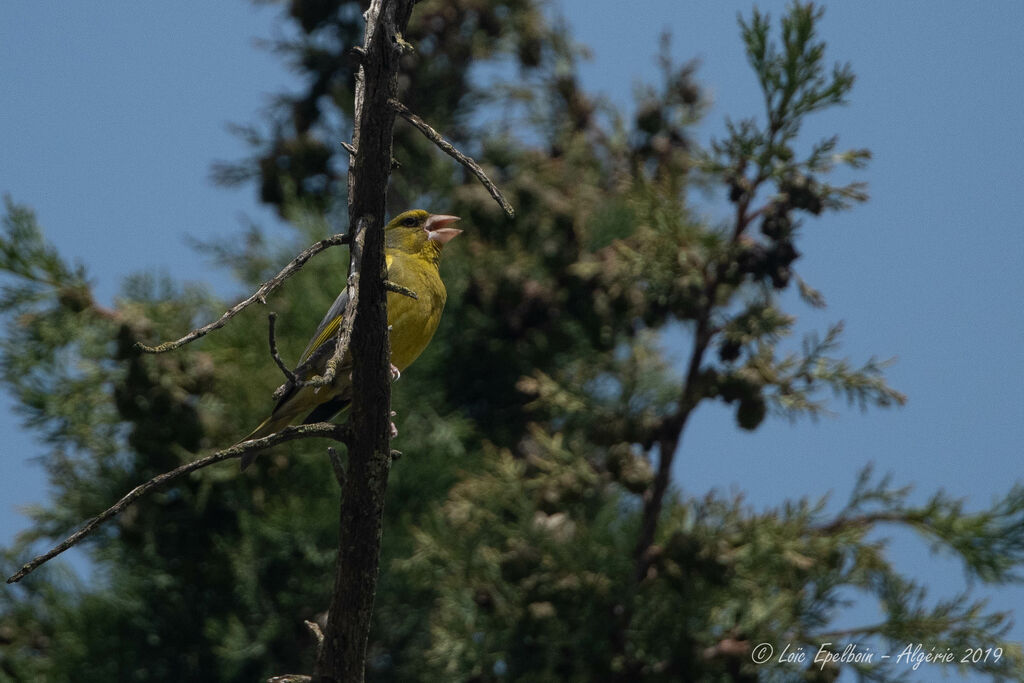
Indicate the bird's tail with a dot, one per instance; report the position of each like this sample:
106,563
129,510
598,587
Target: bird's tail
288,410
272,424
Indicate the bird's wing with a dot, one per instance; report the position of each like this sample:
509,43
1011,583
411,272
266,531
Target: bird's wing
329,325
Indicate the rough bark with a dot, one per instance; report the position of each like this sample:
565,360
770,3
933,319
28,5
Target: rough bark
343,655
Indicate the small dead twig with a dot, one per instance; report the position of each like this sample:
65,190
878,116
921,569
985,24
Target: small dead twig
449,149
336,465
348,316
395,163
315,630
238,450
271,321
395,287
260,295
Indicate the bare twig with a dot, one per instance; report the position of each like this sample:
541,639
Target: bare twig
314,628
271,321
348,317
449,149
395,287
337,466
288,434
395,163
260,295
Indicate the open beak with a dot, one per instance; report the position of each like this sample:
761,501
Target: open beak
438,230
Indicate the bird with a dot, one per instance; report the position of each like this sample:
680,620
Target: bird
413,241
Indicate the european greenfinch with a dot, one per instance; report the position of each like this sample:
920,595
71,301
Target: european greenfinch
412,250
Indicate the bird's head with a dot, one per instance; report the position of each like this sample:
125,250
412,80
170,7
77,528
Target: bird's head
420,232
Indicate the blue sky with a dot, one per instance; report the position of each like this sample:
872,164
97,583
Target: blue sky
114,113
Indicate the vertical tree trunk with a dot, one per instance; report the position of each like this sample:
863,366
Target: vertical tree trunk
343,655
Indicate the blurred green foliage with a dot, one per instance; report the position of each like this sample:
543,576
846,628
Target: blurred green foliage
532,532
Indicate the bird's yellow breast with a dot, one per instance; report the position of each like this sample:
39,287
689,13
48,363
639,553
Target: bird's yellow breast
413,321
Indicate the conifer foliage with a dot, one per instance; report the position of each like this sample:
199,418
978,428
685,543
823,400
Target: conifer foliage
533,531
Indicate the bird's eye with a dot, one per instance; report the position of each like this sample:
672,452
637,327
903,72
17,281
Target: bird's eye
409,222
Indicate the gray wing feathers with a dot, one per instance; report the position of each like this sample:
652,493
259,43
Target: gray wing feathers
336,309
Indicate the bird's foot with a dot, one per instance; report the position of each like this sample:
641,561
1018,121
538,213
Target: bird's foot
396,374
394,429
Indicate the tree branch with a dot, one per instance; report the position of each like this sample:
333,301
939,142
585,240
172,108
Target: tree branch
260,295
338,432
348,318
860,522
399,289
352,152
669,433
339,475
314,628
449,149
672,427
272,340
